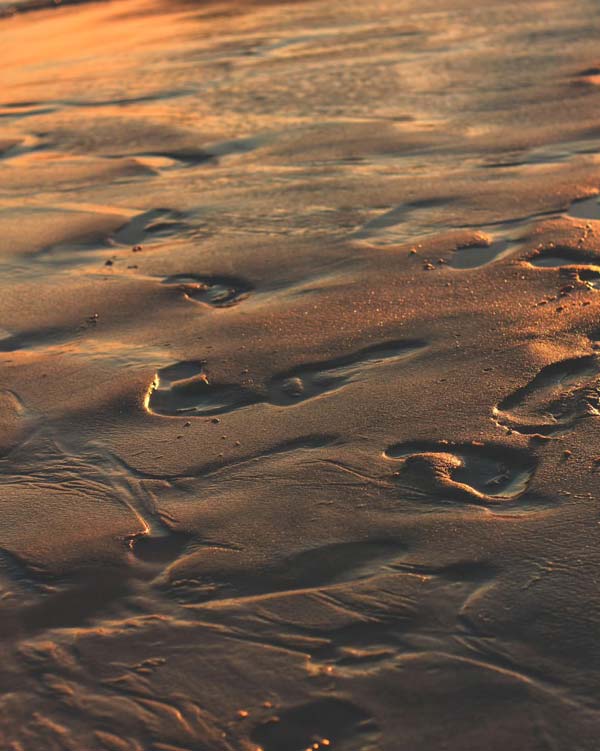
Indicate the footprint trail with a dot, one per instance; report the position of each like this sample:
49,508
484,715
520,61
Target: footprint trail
185,388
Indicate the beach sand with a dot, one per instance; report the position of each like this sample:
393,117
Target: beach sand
300,375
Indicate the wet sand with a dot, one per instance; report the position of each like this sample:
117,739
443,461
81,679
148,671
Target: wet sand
300,376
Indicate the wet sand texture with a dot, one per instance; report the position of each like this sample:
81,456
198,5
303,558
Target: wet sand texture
299,375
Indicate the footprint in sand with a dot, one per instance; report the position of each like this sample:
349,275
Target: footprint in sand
185,389
308,381
218,291
192,157
473,256
323,723
392,223
148,226
558,396
572,262
71,236
479,474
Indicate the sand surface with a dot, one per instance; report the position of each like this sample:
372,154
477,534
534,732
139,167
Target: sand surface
300,375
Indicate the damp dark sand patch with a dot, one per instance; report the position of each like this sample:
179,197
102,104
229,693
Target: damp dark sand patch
321,723
586,208
558,261
160,548
493,242
474,256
